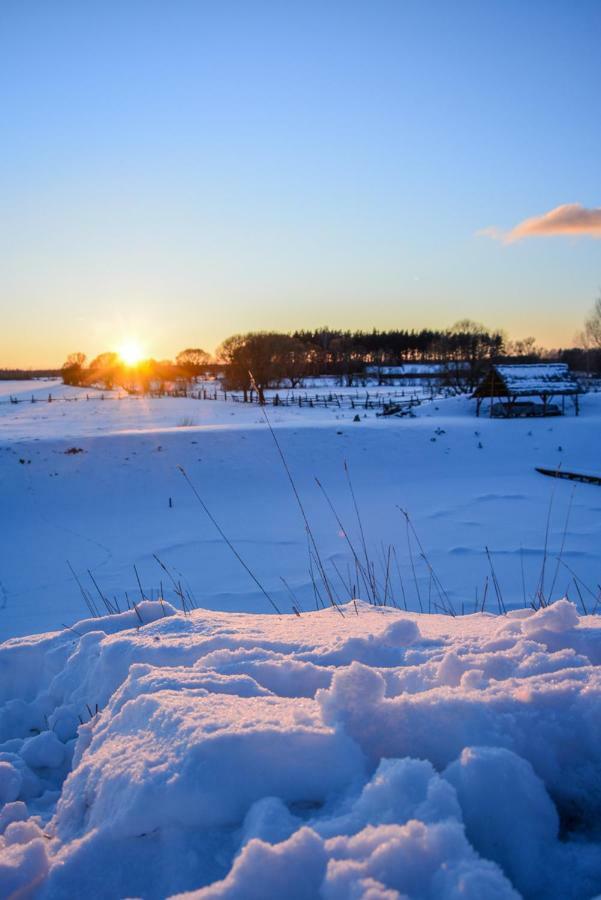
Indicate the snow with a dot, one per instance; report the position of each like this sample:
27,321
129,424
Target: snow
467,484
427,368
507,811
360,751
90,412
376,753
10,782
538,377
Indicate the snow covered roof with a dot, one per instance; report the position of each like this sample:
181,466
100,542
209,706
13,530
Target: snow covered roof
528,380
416,368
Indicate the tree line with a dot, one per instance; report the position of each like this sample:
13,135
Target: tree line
27,374
259,360
108,370
263,359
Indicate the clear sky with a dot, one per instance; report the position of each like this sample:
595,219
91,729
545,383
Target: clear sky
177,171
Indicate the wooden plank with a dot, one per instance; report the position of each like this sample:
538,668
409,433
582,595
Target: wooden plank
570,476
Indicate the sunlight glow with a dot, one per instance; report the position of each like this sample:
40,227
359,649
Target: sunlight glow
131,352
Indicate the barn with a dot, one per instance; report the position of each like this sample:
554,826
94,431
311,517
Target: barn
515,391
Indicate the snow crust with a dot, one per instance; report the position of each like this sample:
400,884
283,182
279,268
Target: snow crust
378,754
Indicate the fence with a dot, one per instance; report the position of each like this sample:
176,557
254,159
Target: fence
357,400
353,399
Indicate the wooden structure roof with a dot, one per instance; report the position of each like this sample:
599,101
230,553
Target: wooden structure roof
537,380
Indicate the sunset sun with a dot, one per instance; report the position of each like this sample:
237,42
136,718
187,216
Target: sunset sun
131,352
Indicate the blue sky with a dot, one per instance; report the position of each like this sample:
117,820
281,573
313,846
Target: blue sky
177,171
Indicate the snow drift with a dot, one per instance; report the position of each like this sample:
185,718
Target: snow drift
377,754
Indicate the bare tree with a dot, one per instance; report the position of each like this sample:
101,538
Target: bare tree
231,352
72,369
524,348
192,361
106,369
473,343
270,357
592,325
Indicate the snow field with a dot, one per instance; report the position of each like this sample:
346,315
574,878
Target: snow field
467,483
229,753
378,754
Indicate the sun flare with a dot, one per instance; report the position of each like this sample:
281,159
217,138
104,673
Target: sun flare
131,352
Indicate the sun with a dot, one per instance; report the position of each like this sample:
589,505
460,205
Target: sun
131,352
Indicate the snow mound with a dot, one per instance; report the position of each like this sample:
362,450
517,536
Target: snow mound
377,754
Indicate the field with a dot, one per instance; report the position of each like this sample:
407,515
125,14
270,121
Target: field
466,483
196,741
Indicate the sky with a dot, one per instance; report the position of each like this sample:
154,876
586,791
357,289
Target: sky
174,172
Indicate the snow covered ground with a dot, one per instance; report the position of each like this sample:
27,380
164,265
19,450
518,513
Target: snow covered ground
355,751
467,484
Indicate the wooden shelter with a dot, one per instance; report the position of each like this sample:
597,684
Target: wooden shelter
510,385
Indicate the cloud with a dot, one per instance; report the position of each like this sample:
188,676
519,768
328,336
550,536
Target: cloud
492,232
571,219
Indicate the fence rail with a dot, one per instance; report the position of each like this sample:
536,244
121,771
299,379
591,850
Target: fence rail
358,399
